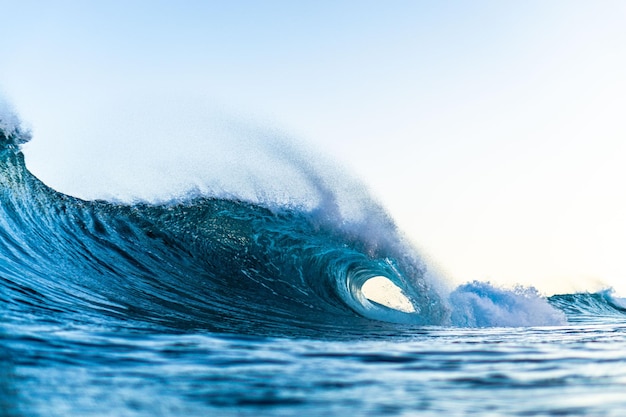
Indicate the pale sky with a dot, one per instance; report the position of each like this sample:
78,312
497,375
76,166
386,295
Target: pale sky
493,131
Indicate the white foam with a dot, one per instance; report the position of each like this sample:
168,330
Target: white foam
480,304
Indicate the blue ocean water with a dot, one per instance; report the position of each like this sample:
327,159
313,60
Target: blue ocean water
206,305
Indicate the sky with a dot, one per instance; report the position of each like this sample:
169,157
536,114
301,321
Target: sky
493,132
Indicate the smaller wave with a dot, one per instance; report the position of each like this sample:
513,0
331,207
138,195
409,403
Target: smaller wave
480,304
584,307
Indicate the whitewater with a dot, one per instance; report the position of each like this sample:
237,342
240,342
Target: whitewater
225,303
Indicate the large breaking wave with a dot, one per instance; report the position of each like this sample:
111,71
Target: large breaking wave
226,264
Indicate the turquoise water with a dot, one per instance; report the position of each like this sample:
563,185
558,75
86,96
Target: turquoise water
565,370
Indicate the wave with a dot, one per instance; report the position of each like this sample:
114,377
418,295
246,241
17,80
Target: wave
219,264
586,307
224,265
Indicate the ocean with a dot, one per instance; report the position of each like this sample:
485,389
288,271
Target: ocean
215,305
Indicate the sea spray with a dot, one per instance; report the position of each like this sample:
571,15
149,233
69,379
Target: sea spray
12,132
480,304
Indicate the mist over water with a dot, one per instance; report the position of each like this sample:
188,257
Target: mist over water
161,147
